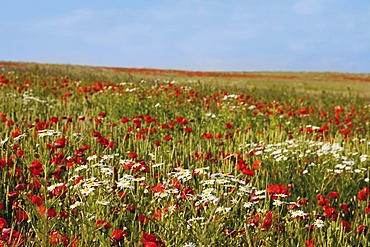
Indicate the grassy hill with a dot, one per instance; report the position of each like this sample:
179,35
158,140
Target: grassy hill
308,82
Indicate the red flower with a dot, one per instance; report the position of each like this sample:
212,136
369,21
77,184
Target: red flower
124,120
36,168
51,213
3,223
132,155
248,172
331,212
119,235
167,138
322,200
362,194
54,237
346,225
276,189
142,218
13,194
310,243
60,143
361,229
333,194
267,221
21,216
344,207
16,134
149,240
229,125
256,164
207,136
158,215
54,120
102,224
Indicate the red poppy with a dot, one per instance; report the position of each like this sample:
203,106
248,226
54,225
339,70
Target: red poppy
102,224
322,200
60,143
229,125
150,240
346,225
248,172
267,221
167,138
36,168
132,155
362,194
277,189
207,136
331,212
21,216
361,229
310,243
334,194
3,223
119,235
54,237
53,120
344,207
142,218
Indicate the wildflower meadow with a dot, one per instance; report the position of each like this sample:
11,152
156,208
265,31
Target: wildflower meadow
88,159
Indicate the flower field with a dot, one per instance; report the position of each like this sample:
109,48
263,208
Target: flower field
88,160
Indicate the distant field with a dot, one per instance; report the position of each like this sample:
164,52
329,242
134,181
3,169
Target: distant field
309,82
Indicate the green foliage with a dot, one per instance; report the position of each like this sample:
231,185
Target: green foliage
98,159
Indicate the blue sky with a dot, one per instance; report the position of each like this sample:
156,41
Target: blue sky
208,35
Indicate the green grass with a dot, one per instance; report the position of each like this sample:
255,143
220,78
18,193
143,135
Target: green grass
96,157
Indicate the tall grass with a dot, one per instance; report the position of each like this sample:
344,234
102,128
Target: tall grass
91,160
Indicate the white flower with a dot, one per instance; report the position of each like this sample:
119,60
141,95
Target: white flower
87,190
161,194
201,170
54,186
208,191
107,170
42,133
191,244
247,204
222,209
222,181
92,157
318,223
158,165
4,141
363,158
107,156
171,208
277,203
208,182
77,134
81,167
125,184
20,137
297,213
76,204
139,179
102,202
